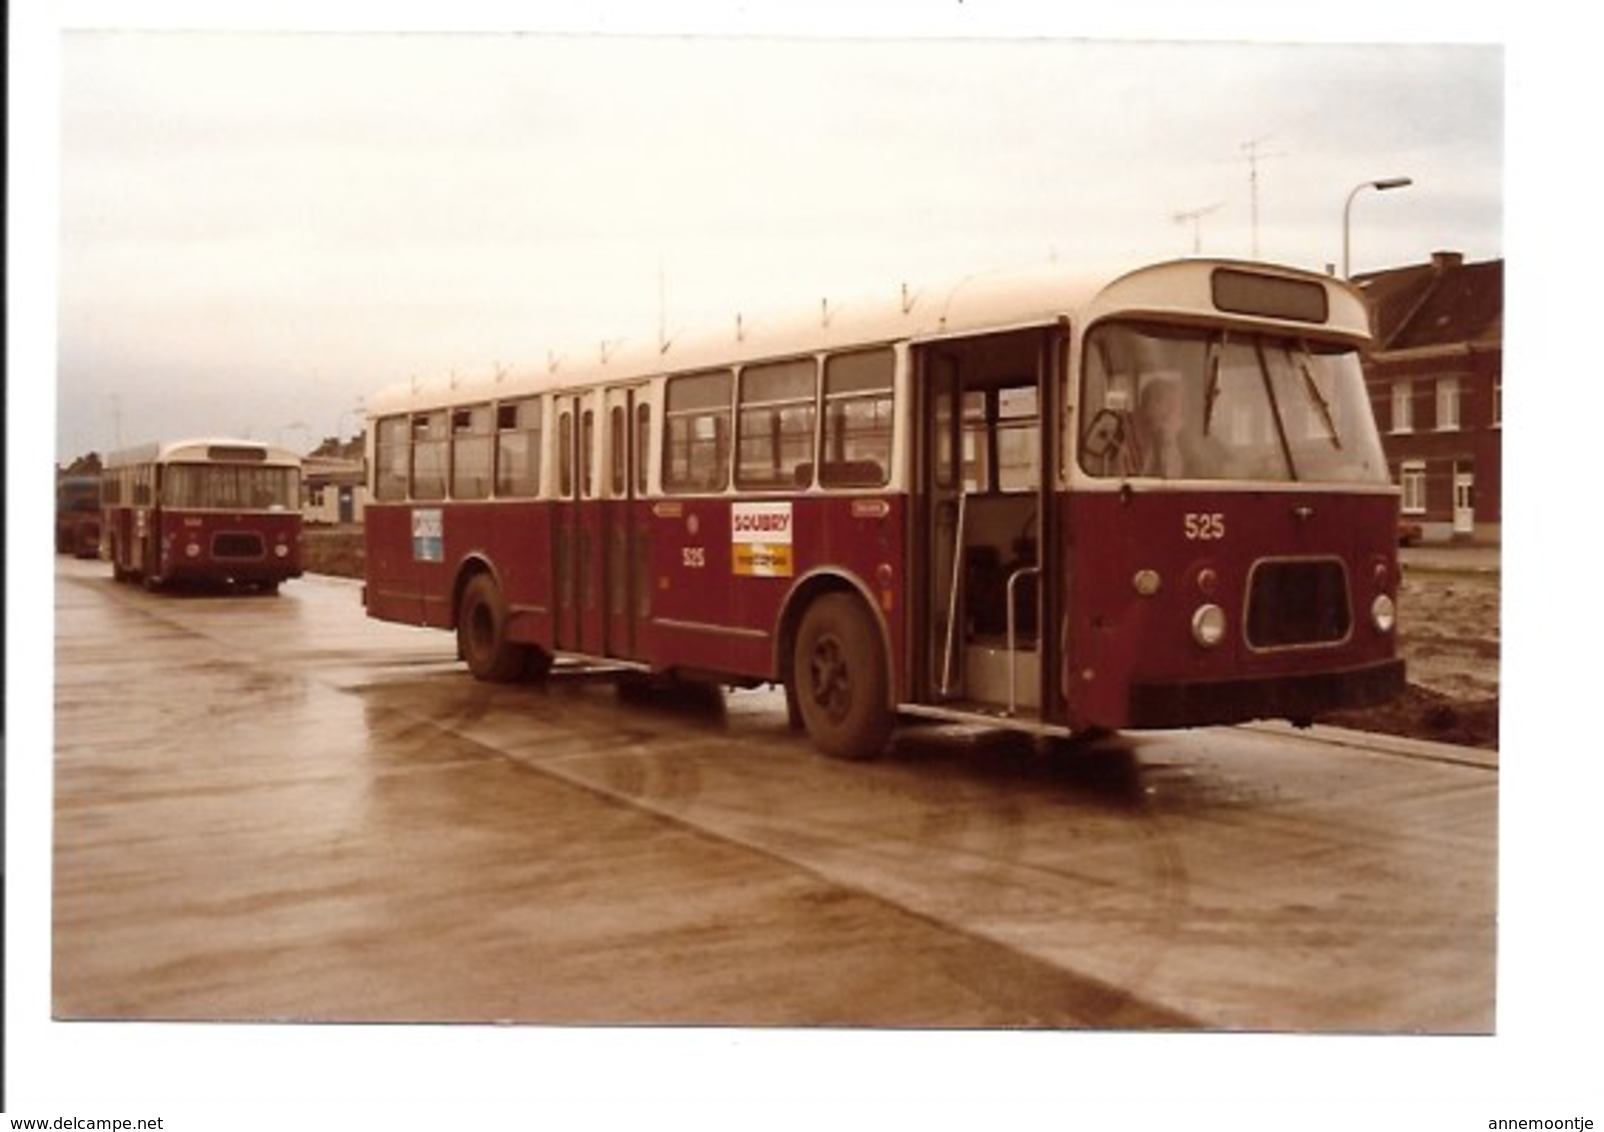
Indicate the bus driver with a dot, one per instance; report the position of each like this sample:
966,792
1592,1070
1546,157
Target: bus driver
1157,449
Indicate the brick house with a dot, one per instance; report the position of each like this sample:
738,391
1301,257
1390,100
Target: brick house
1435,379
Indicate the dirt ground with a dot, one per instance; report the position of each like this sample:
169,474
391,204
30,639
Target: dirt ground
333,550
1449,629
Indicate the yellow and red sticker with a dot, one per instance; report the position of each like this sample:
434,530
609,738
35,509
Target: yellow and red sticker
760,539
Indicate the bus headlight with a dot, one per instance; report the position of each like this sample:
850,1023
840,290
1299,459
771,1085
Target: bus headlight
1208,625
1145,582
281,550
1383,613
192,550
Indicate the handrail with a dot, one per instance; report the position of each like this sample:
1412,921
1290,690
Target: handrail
1013,651
952,599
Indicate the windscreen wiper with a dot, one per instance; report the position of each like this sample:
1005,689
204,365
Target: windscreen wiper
1212,392
1306,367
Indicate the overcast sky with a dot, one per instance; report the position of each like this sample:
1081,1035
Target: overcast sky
258,230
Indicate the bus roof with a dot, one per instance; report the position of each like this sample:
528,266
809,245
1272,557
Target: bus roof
208,450
984,301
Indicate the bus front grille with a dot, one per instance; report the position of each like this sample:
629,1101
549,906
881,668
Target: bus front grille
237,544
1298,602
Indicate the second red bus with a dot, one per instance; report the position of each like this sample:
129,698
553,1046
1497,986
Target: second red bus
207,511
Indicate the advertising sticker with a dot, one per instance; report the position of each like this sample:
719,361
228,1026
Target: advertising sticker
760,537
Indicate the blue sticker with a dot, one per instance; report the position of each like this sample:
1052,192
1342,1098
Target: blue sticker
428,535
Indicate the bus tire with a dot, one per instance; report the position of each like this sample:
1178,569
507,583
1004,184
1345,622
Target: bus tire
482,634
839,674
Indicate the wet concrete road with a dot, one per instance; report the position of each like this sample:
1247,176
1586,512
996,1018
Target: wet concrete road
273,808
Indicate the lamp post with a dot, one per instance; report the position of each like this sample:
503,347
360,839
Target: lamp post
1380,186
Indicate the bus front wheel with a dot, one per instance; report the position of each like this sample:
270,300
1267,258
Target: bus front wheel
839,673
482,634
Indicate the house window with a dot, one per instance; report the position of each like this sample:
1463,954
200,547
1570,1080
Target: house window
1412,479
1447,404
1403,406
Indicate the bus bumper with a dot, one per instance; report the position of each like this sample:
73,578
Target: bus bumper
1296,698
236,573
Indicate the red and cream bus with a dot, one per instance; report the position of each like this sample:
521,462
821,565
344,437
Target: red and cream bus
78,516
203,511
1154,501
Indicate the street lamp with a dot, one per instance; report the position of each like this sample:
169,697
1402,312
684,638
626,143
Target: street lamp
1380,186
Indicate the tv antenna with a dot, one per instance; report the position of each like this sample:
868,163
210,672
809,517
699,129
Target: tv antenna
1251,148
1194,216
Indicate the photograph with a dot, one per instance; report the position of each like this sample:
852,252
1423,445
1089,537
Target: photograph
611,566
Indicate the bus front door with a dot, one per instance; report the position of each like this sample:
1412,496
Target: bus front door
984,547
941,515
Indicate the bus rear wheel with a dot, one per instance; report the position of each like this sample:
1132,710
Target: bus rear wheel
839,674
482,634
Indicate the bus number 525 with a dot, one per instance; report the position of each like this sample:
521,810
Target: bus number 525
1202,526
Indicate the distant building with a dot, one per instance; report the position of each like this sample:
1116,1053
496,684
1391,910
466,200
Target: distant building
1436,379
332,490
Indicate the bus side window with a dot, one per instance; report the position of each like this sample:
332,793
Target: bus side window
565,455
643,446
618,481
470,452
391,458
1017,448
974,438
429,455
518,448
696,436
587,453
778,403
858,415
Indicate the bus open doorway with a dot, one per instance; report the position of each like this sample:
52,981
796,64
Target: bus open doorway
983,547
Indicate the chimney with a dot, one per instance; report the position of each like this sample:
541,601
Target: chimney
1446,261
